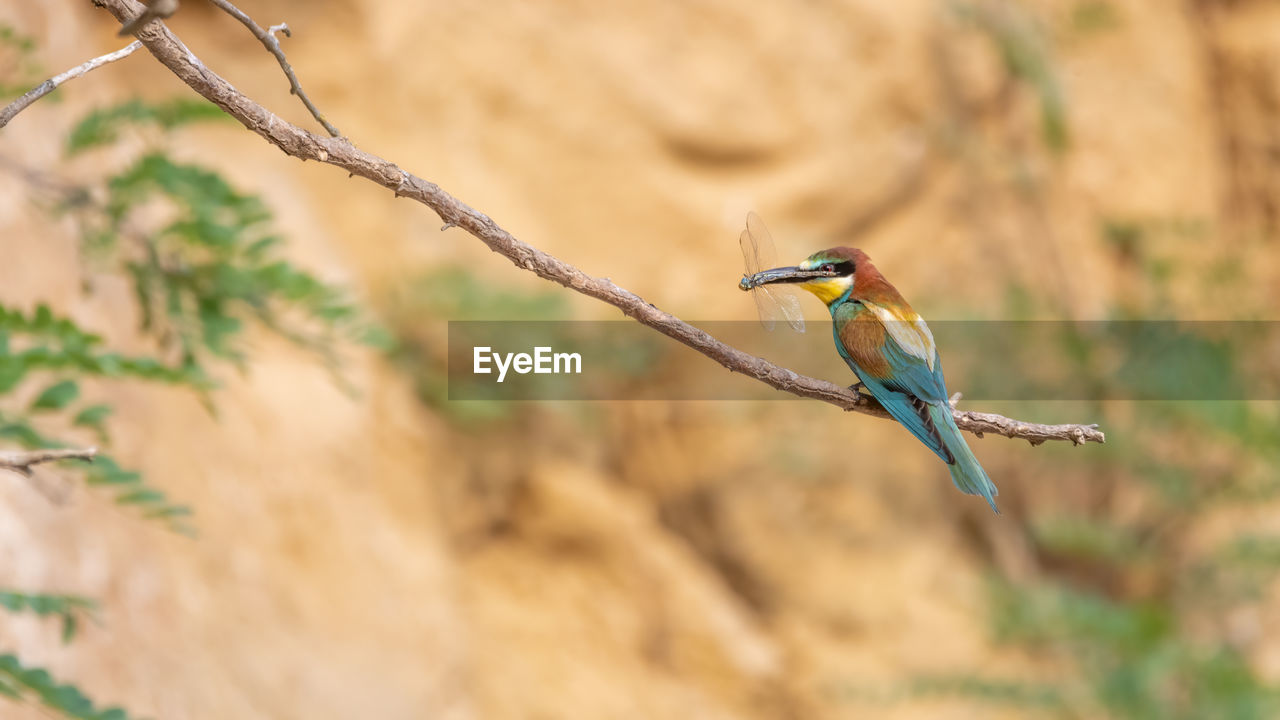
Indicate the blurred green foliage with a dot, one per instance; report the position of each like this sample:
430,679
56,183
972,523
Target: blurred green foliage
1150,565
19,69
103,126
1093,16
992,692
21,683
212,263
1025,51
416,315
52,355
71,609
459,293
439,318
1137,658
205,265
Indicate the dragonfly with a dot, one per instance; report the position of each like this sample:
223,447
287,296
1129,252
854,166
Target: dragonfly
772,301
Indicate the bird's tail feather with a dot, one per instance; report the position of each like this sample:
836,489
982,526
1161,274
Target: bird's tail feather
966,473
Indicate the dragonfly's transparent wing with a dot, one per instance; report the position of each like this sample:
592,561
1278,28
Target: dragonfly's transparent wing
750,253
752,264
789,305
762,241
758,254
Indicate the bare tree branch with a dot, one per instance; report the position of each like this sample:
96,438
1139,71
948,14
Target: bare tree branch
21,461
49,85
272,44
299,143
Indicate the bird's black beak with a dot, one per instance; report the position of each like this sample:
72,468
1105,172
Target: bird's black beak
781,275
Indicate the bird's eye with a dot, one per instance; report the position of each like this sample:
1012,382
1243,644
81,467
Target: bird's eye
828,267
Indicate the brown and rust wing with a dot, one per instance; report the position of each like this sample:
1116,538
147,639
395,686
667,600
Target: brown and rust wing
862,337
865,345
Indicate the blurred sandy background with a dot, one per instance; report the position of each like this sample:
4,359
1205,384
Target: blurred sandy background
370,557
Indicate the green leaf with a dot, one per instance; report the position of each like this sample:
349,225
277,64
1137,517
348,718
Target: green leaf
378,338
171,511
21,683
12,370
141,496
9,691
43,319
104,474
67,607
24,434
69,626
94,417
57,396
43,604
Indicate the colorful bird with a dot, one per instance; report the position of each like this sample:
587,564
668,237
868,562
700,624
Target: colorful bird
890,348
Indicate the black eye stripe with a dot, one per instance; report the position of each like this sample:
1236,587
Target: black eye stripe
839,268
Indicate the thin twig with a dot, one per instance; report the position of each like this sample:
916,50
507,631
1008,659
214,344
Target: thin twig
272,44
299,143
49,85
21,461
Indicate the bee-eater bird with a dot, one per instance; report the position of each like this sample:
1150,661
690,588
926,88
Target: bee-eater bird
890,348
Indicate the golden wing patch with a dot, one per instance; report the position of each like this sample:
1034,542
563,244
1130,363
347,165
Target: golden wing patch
908,330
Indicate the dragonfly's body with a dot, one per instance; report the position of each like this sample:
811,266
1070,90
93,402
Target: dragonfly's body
890,348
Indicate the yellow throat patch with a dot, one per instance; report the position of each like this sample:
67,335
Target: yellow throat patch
828,289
